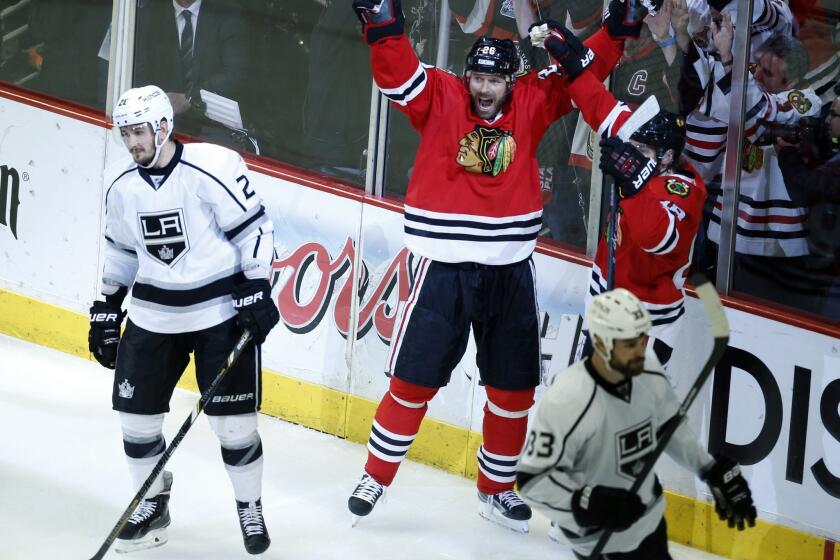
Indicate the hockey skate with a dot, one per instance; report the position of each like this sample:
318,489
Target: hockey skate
506,509
364,497
252,523
146,528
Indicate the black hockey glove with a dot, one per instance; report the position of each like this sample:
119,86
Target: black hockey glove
606,507
104,334
624,162
733,499
567,50
380,18
257,313
623,18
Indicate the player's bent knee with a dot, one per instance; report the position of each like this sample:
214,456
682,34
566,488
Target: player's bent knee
410,394
236,430
140,426
510,403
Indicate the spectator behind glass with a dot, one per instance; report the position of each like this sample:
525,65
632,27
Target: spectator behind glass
71,32
218,61
812,177
771,230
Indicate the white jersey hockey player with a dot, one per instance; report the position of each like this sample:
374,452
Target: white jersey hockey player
593,431
185,231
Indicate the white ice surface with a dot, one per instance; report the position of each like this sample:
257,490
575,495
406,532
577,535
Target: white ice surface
64,483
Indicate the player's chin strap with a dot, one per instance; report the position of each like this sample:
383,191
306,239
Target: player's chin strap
158,147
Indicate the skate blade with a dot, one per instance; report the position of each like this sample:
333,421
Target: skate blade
153,539
355,520
555,536
502,521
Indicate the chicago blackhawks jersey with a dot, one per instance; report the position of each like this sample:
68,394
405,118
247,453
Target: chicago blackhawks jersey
587,432
656,230
183,236
656,226
474,194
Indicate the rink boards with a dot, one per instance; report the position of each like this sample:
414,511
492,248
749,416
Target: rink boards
773,402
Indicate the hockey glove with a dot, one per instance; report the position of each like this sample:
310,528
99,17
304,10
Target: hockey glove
623,18
380,18
257,313
606,507
566,49
624,162
104,335
733,499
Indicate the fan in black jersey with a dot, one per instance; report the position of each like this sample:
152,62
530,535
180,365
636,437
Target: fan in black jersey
593,431
187,233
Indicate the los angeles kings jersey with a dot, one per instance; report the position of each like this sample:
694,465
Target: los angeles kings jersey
587,432
474,193
183,236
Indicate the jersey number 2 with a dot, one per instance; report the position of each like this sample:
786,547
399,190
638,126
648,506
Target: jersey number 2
246,189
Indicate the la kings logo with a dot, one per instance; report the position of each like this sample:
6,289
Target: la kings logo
165,235
633,445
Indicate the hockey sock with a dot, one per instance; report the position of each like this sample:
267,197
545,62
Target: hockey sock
144,444
241,452
395,426
504,428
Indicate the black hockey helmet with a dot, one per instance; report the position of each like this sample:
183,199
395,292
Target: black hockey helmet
493,56
664,131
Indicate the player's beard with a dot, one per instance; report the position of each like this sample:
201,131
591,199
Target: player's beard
630,368
487,112
143,158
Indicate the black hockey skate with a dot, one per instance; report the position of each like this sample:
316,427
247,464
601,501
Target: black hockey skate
146,528
506,509
252,523
364,497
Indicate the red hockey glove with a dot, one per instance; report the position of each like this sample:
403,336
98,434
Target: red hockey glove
624,162
566,49
733,499
380,19
606,507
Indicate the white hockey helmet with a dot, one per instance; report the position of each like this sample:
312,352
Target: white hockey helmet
617,314
141,105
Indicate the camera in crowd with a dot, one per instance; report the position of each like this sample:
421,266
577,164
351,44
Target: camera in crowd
810,133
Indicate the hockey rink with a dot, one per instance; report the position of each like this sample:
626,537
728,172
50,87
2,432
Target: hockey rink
64,484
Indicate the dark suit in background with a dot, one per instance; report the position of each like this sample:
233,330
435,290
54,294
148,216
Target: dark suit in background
220,60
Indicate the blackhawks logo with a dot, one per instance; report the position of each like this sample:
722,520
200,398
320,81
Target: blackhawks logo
799,101
486,150
676,187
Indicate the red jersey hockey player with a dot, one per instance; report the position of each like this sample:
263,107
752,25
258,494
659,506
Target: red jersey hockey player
661,196
472,213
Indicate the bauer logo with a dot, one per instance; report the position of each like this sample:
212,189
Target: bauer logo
165,235
233,398
9,198
632,448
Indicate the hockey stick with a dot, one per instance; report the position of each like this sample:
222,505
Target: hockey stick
199,406
720,331
612,235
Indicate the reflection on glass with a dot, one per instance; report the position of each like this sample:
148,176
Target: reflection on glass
780,254
57,47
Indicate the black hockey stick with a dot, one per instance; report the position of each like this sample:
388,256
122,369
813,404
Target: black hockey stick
199,406
720,331
612,235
